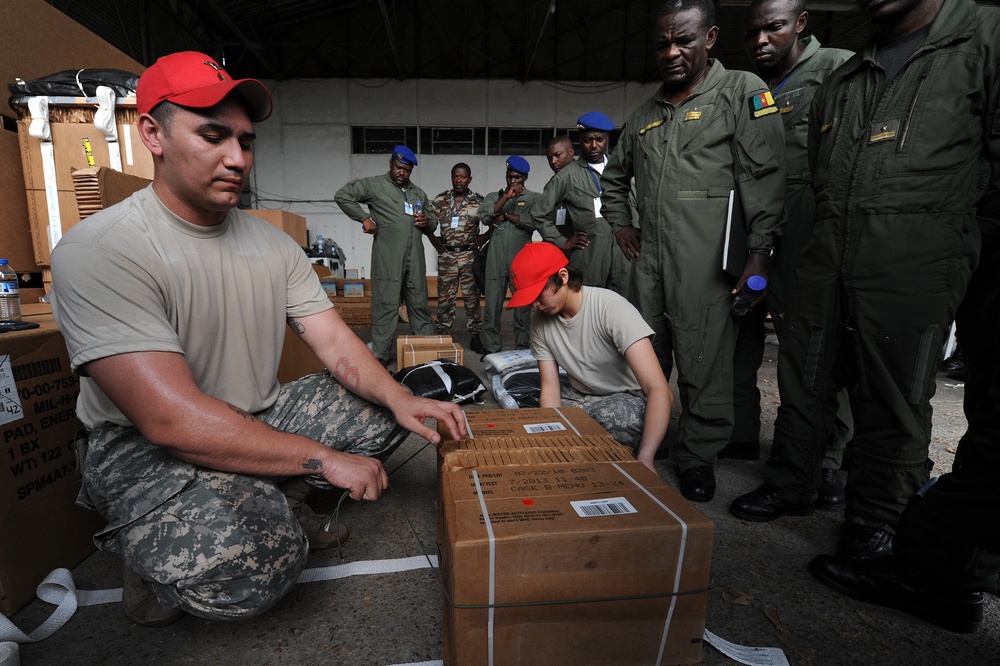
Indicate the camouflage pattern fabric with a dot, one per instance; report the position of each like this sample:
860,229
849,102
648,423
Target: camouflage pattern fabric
459,226
218,544
621,414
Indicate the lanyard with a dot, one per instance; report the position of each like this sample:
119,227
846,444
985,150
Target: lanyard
777,88
597,182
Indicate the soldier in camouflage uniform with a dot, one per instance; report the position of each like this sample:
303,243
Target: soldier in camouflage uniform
457,213
197,456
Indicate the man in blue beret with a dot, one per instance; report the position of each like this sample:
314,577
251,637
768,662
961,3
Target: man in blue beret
578,186
396,220
508,215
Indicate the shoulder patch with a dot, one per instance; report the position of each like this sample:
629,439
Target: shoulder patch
652,125
762,105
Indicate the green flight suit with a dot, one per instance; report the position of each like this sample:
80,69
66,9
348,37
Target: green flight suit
577,185
898,171
793,95
398,267
686,159
506,240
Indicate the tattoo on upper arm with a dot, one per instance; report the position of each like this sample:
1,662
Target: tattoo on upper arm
312,463
296,326
347,374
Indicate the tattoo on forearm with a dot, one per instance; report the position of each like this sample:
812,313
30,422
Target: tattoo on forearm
312,463
250,417
347,374
296,326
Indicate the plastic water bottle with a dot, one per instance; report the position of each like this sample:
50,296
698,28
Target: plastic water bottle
752,288
319,246
10,295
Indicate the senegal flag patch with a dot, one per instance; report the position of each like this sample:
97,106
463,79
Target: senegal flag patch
762,105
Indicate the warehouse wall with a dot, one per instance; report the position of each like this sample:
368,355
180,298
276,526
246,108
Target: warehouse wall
304,149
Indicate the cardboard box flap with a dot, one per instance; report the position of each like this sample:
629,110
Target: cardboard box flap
465,459
532,422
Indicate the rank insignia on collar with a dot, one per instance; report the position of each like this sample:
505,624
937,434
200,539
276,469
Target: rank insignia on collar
762,105
693,114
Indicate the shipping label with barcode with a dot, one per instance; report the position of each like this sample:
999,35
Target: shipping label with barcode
611,506
533,428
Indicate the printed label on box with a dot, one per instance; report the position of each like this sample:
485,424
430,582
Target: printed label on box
9,399
543,427
609,506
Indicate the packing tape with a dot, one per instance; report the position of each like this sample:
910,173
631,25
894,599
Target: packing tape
493,570
567,421
104,120
39,128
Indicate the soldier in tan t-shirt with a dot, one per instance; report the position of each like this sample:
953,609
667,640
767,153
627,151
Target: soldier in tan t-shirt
603,344
174,307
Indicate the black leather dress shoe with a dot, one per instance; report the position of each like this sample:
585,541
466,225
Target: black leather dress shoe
888,582
698,483
740,451
860,542
831,490
765,504
476,345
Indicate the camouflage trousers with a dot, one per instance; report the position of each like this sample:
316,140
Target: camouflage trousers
455,268
621,414
217,544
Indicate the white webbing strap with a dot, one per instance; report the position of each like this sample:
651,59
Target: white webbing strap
104,120
39,128
492,596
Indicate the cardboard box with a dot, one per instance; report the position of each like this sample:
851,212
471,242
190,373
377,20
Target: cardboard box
354,288
329,284
78,144
40,526
581,563
356,312
403,340
292,224
102,187
538,422
417,354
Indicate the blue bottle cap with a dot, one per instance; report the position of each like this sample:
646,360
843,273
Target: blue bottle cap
756,283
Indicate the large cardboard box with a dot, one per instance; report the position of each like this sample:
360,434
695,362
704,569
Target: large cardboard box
578,563
15,227
535,422
297,360
292,224
40,526
77,144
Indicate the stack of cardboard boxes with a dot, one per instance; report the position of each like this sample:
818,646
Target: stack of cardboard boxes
557,547
416,349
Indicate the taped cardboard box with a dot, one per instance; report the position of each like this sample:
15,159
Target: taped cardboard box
531,422
356,312
76,143
40,526
417,354
585,563
404,340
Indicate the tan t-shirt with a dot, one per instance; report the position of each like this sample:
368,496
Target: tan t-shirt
136,277
591,345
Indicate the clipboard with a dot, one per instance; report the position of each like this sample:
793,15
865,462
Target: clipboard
734,250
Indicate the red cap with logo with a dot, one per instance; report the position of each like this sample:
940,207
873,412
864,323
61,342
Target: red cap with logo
531,269
196,81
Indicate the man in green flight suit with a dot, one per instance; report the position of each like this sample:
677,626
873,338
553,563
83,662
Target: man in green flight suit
396,220
508,215
793,68
706,132
578,186
904,148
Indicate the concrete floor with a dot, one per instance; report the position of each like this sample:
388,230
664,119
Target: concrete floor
762,594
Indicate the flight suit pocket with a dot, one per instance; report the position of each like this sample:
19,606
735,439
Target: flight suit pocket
756,157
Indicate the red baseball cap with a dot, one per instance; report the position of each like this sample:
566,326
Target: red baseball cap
196,81
531,269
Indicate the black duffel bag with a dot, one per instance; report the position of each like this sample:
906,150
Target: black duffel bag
443,380
77,83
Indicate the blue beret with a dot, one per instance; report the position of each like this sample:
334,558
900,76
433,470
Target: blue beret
518,164
404,155
595,120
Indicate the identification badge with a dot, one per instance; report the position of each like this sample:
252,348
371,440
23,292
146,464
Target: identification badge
560,217
408,208
883,131
454,221
597,206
